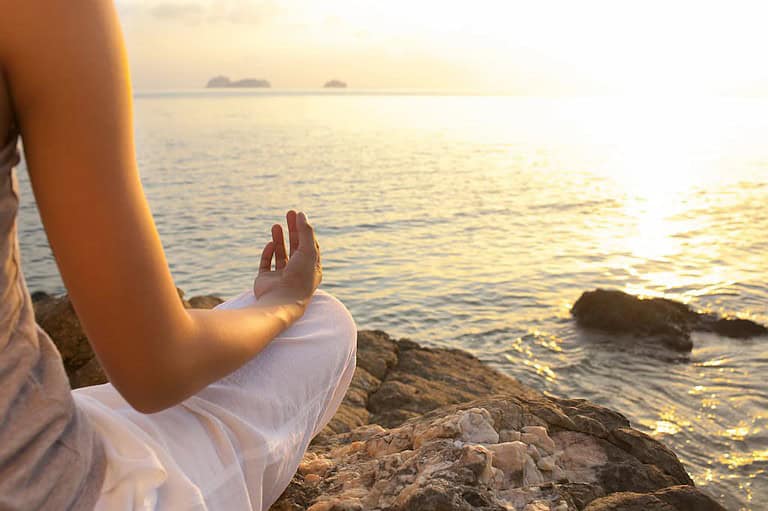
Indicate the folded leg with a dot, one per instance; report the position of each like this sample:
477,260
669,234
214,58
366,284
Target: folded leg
237,443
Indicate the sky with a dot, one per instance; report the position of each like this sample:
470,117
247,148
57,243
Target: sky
538,47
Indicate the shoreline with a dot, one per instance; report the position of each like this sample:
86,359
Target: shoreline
438,429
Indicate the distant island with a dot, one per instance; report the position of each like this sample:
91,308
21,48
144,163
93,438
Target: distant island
224,81
335,84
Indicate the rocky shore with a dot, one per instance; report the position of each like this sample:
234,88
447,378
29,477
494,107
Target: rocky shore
437,430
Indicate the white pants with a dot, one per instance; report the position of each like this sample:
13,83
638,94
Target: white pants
235,445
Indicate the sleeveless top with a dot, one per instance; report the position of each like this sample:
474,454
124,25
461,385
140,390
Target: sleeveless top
50,458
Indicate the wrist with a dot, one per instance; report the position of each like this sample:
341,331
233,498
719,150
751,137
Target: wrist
291,307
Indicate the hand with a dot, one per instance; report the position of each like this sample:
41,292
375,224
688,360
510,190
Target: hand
294,279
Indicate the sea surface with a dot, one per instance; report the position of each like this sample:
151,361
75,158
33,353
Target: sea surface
477,221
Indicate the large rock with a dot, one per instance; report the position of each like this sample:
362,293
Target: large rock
660,319
398,380
433,445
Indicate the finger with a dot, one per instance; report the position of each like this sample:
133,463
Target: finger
293,232
266,257
281,258
306,233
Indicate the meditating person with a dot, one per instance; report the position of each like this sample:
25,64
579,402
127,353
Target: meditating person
205,409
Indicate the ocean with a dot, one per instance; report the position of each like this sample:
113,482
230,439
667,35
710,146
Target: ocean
476,222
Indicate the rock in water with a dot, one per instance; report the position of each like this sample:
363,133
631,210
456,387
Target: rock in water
736,327
619,312
655,318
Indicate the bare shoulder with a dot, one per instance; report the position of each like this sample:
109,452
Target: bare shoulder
56,41
42,21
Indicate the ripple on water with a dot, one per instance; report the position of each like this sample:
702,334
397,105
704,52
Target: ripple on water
476,222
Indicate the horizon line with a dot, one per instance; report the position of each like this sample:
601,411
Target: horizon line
424,91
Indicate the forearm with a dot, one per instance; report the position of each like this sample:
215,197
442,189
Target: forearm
212,344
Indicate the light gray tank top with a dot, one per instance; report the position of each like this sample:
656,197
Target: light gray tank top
50,458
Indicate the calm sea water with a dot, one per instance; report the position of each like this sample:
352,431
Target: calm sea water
476,222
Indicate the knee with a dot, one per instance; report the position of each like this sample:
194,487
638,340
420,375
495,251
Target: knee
339,322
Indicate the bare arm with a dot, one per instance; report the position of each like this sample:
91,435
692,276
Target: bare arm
70,85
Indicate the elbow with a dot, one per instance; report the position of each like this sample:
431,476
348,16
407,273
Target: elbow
148,394
151,382
147,405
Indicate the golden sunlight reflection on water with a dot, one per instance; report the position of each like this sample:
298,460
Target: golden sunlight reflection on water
475,222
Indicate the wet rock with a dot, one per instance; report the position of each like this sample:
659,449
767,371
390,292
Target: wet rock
736,327
664,320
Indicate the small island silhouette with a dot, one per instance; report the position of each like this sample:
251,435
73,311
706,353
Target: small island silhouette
224,81
335,84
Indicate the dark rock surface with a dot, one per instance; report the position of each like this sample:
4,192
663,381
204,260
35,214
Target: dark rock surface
672,498
661,319
398,380
436,429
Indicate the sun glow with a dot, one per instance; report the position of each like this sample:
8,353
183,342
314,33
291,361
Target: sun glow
653,47
548,47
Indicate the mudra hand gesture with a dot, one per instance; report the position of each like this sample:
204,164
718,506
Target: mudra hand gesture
296,275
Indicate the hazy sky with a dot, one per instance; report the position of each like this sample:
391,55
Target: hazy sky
533,47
